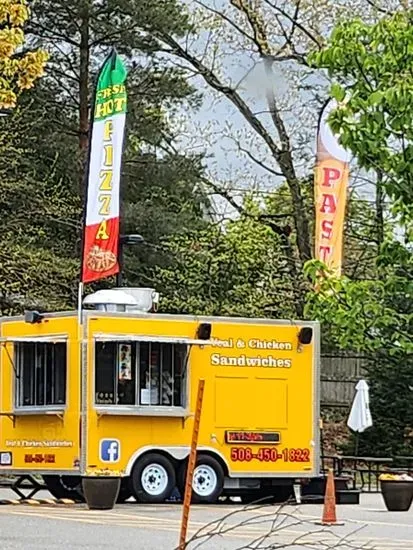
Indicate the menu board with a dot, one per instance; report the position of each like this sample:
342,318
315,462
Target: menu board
125,362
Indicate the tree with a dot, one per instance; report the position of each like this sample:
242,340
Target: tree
374,317
233,269
370,65
46,138
266,131
19,69
241,267
36,267
26,256
79,34
371,79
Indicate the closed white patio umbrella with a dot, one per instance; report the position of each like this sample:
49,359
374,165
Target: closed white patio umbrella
360,417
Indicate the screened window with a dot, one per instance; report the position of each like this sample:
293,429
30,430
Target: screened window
41,374
140,373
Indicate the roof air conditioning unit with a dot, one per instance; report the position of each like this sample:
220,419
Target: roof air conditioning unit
146,298
123,299
109,300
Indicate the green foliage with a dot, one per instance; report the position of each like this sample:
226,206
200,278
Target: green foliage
368,315
44,144
375,317
237,270
36,264
371,69
244,267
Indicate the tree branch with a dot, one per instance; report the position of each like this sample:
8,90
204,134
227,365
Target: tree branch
49,33
211,78
225,18
295,22
376,7
260,162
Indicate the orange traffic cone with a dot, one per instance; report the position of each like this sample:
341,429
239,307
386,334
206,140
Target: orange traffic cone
329,512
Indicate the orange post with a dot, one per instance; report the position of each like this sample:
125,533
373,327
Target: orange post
191,466
329,512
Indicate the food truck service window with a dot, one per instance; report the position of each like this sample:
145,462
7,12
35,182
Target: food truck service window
41,374
140,373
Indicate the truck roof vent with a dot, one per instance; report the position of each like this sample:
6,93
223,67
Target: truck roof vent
140,300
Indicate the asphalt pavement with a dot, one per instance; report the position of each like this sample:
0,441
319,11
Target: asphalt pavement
225,526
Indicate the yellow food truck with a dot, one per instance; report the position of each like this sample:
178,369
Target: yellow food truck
114,387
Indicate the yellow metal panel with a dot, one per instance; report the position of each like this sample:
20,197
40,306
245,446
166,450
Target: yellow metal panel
33,436
256,378
251,403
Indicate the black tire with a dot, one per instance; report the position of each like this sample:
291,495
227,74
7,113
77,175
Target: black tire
213,475
162,475
125,491
64,487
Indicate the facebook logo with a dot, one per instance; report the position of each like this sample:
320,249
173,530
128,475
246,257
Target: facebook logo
109,450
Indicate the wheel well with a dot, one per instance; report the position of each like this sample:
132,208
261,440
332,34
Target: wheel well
158,452
217,458
175,461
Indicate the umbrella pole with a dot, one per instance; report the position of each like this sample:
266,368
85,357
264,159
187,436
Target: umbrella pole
356,445
321,428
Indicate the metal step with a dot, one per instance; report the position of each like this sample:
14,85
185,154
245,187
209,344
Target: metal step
349,496
317,486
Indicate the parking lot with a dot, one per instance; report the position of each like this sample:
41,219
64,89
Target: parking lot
225,526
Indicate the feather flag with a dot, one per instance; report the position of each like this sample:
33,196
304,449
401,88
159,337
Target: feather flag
331,183
101,228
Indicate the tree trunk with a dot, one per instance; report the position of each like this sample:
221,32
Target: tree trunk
379,209
84,58
300,220
286,164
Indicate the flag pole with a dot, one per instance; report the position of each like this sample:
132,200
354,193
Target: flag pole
320,274
79,303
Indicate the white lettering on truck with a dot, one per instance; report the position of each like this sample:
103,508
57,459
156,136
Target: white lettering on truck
244,361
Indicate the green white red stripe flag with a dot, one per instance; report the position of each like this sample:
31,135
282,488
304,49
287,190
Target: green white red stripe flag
101,230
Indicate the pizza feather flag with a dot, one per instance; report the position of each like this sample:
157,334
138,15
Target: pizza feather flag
101,227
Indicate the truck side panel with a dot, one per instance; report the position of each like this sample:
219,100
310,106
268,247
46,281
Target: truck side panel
259,382
36,439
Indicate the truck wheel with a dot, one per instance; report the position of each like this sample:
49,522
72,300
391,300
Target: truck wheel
153,478
125,492
208,480
64,487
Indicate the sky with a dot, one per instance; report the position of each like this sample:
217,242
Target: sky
220,130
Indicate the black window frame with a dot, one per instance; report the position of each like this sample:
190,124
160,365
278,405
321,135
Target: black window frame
178,393
36,363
